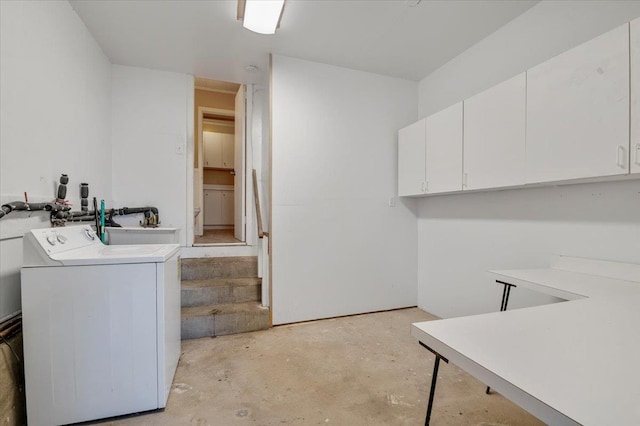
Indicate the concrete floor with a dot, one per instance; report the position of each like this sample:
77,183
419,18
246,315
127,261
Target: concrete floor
216,236
359,370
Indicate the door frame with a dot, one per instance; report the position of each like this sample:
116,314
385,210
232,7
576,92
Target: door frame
192,196
198,195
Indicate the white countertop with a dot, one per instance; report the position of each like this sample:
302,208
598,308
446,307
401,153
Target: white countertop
572,362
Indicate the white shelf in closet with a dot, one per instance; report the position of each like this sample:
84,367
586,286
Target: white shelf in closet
578,112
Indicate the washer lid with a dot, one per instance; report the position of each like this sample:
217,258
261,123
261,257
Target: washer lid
109,255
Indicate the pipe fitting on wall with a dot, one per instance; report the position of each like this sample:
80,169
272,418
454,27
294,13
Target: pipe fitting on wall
62,188
84,197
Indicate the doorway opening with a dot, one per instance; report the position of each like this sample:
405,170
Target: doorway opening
219,185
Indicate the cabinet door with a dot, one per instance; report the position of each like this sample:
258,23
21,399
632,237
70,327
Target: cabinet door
227,151
411,159
212,149
227,205
444,150
212,210
635,96
494,136
578,111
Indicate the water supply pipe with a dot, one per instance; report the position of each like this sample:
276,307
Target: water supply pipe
22,206
61,210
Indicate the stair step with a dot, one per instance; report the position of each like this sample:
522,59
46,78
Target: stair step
220,291
219,267
220,320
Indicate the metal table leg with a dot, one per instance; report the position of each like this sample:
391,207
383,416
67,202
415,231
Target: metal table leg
506,291
434,379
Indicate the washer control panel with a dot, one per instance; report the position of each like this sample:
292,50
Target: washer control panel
57,240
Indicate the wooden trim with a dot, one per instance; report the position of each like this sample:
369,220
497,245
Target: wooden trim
240,11
220,169
270,189
281,13
217,122
256,199
217,111
200,149
209,89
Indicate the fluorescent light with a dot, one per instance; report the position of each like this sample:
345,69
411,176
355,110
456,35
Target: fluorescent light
262,16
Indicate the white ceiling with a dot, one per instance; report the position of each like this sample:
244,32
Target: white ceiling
381,36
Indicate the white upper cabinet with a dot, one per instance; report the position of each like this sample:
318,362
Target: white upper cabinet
411,159
635,96
212,149
578,112
444,150
218,150
227,151
575,116
494,136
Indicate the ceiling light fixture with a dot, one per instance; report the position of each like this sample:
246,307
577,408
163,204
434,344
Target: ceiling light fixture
260,16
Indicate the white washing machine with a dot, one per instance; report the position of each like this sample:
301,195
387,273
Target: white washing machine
101,325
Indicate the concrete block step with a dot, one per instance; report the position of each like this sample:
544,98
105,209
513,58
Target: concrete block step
219,267
219,291
220,320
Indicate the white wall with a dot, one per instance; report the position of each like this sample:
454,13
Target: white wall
55,107
461,236
338,248
152,129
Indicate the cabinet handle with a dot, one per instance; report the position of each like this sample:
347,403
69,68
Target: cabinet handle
638,154
621,152
464,180
426,186
422,186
